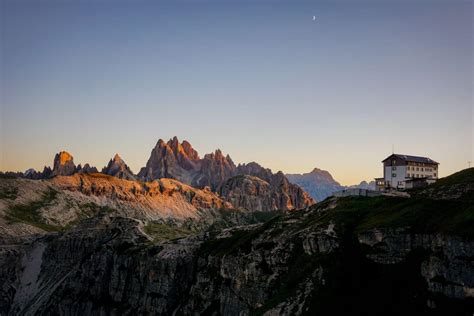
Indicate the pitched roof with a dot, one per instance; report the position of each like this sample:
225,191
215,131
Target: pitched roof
412,158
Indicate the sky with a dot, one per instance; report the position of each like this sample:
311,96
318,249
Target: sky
261,80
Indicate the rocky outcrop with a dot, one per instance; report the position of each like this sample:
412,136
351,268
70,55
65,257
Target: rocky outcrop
118,168
29,208
63,164
251,193
86,169
163,198
288,196
171,160
215,169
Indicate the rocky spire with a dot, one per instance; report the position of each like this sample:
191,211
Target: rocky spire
118,168
171,160
86,169
63,164
215,169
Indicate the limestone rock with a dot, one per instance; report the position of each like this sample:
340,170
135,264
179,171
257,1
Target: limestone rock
86,169
215,170
118,168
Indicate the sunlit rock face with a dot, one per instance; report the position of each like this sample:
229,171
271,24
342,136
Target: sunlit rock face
118,168
63,164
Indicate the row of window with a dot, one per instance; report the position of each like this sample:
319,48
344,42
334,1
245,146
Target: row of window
413,175
421,169
417,169
418,164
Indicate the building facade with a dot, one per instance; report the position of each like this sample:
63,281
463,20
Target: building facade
402,172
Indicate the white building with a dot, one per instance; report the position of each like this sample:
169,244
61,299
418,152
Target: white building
405,172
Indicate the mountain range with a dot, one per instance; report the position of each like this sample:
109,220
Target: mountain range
248,186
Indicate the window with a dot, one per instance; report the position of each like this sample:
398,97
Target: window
421,169
408,175
434,174
394,168
417,169
394,175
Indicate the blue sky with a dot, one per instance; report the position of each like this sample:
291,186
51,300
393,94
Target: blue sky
260,80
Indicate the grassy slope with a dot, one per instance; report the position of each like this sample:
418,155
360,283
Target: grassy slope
422,214
465,176
29,213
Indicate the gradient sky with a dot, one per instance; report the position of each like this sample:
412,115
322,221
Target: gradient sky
261,81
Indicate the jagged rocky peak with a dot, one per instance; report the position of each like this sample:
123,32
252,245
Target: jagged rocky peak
171,160
215,169
254,169
63,164
118,168
219,158
86,169
189,150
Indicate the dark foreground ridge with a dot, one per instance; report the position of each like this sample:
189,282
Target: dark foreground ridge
357,255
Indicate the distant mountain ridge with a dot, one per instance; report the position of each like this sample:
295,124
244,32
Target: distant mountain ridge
320,183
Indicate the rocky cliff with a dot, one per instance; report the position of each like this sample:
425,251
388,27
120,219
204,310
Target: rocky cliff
369,256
